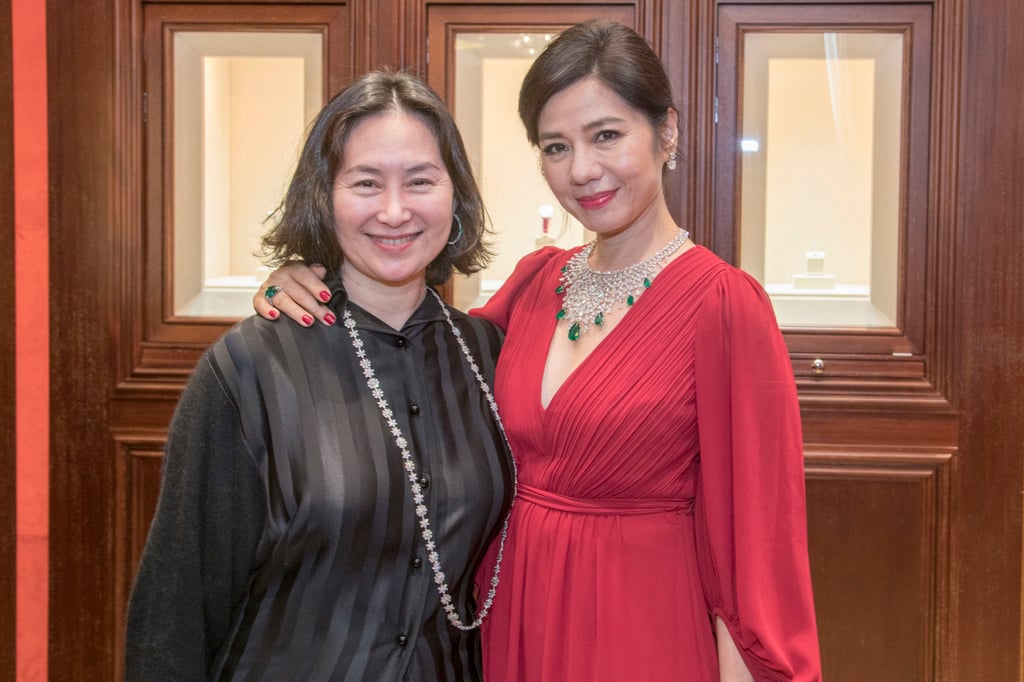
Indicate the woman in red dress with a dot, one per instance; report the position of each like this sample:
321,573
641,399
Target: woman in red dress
660,529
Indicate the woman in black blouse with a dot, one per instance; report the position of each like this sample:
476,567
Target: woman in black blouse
328,495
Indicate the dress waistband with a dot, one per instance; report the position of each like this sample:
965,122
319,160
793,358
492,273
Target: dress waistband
605,505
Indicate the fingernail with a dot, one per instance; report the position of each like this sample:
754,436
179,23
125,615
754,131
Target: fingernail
272,314
325,296
307,320
330,319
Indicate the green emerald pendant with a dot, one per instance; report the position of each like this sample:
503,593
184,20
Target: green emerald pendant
599,320
574,331
647,282
560,289
630,300
560,314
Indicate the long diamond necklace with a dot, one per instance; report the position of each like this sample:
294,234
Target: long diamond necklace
410,467
592,294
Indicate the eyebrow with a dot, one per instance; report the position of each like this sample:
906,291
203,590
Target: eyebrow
599,123
418,168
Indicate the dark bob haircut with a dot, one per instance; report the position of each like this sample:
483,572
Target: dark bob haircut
305,227
613,54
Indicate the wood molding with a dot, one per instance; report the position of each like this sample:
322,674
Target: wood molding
414,37
381,46
695,47
650,23
365,45
943,190
861,423
137,457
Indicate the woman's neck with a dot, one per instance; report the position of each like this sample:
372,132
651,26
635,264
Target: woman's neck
635,243
392,304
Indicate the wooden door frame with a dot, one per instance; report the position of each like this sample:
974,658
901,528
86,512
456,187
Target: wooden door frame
85,203
986,364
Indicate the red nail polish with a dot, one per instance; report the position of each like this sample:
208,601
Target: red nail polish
272,313
307,320
325,296
330,319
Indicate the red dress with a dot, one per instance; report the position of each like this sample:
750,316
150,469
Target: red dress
662,486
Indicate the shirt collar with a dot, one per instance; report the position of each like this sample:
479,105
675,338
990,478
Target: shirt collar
427,312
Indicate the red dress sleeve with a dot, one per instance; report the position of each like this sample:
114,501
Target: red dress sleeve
750,508
499,307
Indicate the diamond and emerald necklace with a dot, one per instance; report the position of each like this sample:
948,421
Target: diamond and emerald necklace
590,294
373,383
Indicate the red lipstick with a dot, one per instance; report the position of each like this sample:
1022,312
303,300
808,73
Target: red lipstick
594,201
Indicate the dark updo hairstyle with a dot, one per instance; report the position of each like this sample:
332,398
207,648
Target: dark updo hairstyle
305,227
613,54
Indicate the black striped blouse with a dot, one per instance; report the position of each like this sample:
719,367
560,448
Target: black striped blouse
285,544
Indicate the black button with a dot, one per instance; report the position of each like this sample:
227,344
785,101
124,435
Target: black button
414,409
425,481
402,640
400,342
417,563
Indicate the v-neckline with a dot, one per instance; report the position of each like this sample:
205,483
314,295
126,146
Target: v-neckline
614,333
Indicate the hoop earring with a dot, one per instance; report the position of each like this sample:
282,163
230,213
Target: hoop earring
458,221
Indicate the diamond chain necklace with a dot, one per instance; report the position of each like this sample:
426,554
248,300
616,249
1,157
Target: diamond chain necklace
590,295
410,467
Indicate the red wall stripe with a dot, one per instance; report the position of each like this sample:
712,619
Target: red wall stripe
32,341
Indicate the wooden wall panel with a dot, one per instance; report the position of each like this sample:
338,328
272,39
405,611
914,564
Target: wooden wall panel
877,528
8,528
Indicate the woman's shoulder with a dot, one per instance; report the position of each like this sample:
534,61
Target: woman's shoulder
480,326
537,263
254,339
727,293
534,269
254,327
703,264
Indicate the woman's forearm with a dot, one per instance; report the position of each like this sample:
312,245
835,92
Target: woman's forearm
731,667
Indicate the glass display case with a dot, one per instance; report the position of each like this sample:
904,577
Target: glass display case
821,176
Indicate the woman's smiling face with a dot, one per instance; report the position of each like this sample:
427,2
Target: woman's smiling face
601,157
392,201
